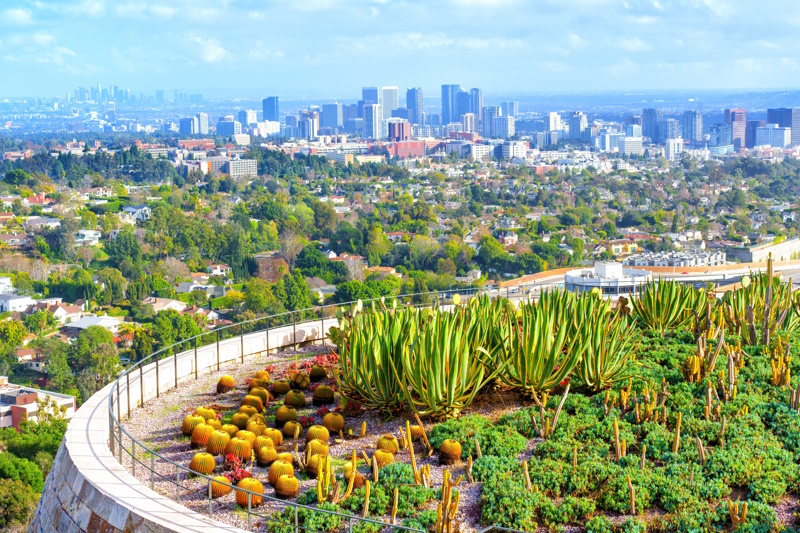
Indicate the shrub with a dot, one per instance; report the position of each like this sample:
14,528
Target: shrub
506,503
379,501
488,467
599,524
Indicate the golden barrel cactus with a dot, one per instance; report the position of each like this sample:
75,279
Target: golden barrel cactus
225,384
240,420
262,374
312,465
202,463
230,429
289,429
256,427
316,447
258,382
258,417
383,458
249,436
317,373
205,412
295,398
262,394
253,485
449,452
279,468
214,423
358,482
416,433
333,422
220,487
317,432
262,441
388,443
200,435
217,442
254,402
285,414
191,422
248,410
287,487
323,395
281,387
265,456
239,448
286,457
274,435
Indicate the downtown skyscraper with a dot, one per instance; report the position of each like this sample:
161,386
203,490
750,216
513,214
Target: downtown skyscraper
449,103
414,105
270,109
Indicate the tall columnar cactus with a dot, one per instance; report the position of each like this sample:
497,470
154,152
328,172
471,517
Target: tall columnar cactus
323,479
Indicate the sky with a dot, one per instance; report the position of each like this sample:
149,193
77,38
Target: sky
331,48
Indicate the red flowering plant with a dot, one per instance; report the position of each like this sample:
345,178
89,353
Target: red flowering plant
234,470
270,369
322,411
348,407
306,420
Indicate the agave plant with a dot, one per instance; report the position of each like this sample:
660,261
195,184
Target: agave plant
763,301
667,305
371,344
609,356
540,348
442,372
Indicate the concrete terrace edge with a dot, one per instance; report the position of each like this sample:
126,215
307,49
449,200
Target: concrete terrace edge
88,491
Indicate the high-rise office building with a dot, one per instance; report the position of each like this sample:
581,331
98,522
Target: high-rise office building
751,131
633,130
247,117
476,103
510,108
736,118
390,101
332,116
228,126
720,135
449,93
188,126
370,95
270,105
692,126
577,123
552,121
468,121
414,105
373,121
773,135
202,123
159,96
504,127
786,118
667,129
462,105
487,126
650,119
309,123
399,130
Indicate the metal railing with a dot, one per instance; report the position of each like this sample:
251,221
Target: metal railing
122,389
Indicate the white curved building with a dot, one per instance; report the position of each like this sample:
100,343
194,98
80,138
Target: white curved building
610,278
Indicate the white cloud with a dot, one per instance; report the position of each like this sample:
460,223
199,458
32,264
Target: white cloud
42,39
633,45
210,50
657,5
89,8
575,40
16,16
164,12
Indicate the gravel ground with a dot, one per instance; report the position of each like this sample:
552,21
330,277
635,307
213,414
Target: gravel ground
158,426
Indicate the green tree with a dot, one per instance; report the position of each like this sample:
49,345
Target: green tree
89,341
17,504
293,291
12,332
125,246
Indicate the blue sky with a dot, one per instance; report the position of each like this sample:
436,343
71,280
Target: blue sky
330,48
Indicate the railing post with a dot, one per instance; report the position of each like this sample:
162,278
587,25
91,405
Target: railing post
296,522
241,339
217,331
195,357
177,484
322,317
210,500
175,360
158,383
128,392
350,525
141,385
267,333
152,471
119,427
294,331
249,516
133,457
119,417
111,432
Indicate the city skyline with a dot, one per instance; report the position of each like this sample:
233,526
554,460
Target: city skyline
48,48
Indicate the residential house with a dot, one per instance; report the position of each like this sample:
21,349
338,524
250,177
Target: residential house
14,303
88,237
6,287
138,212
110,323
220,269
164,304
